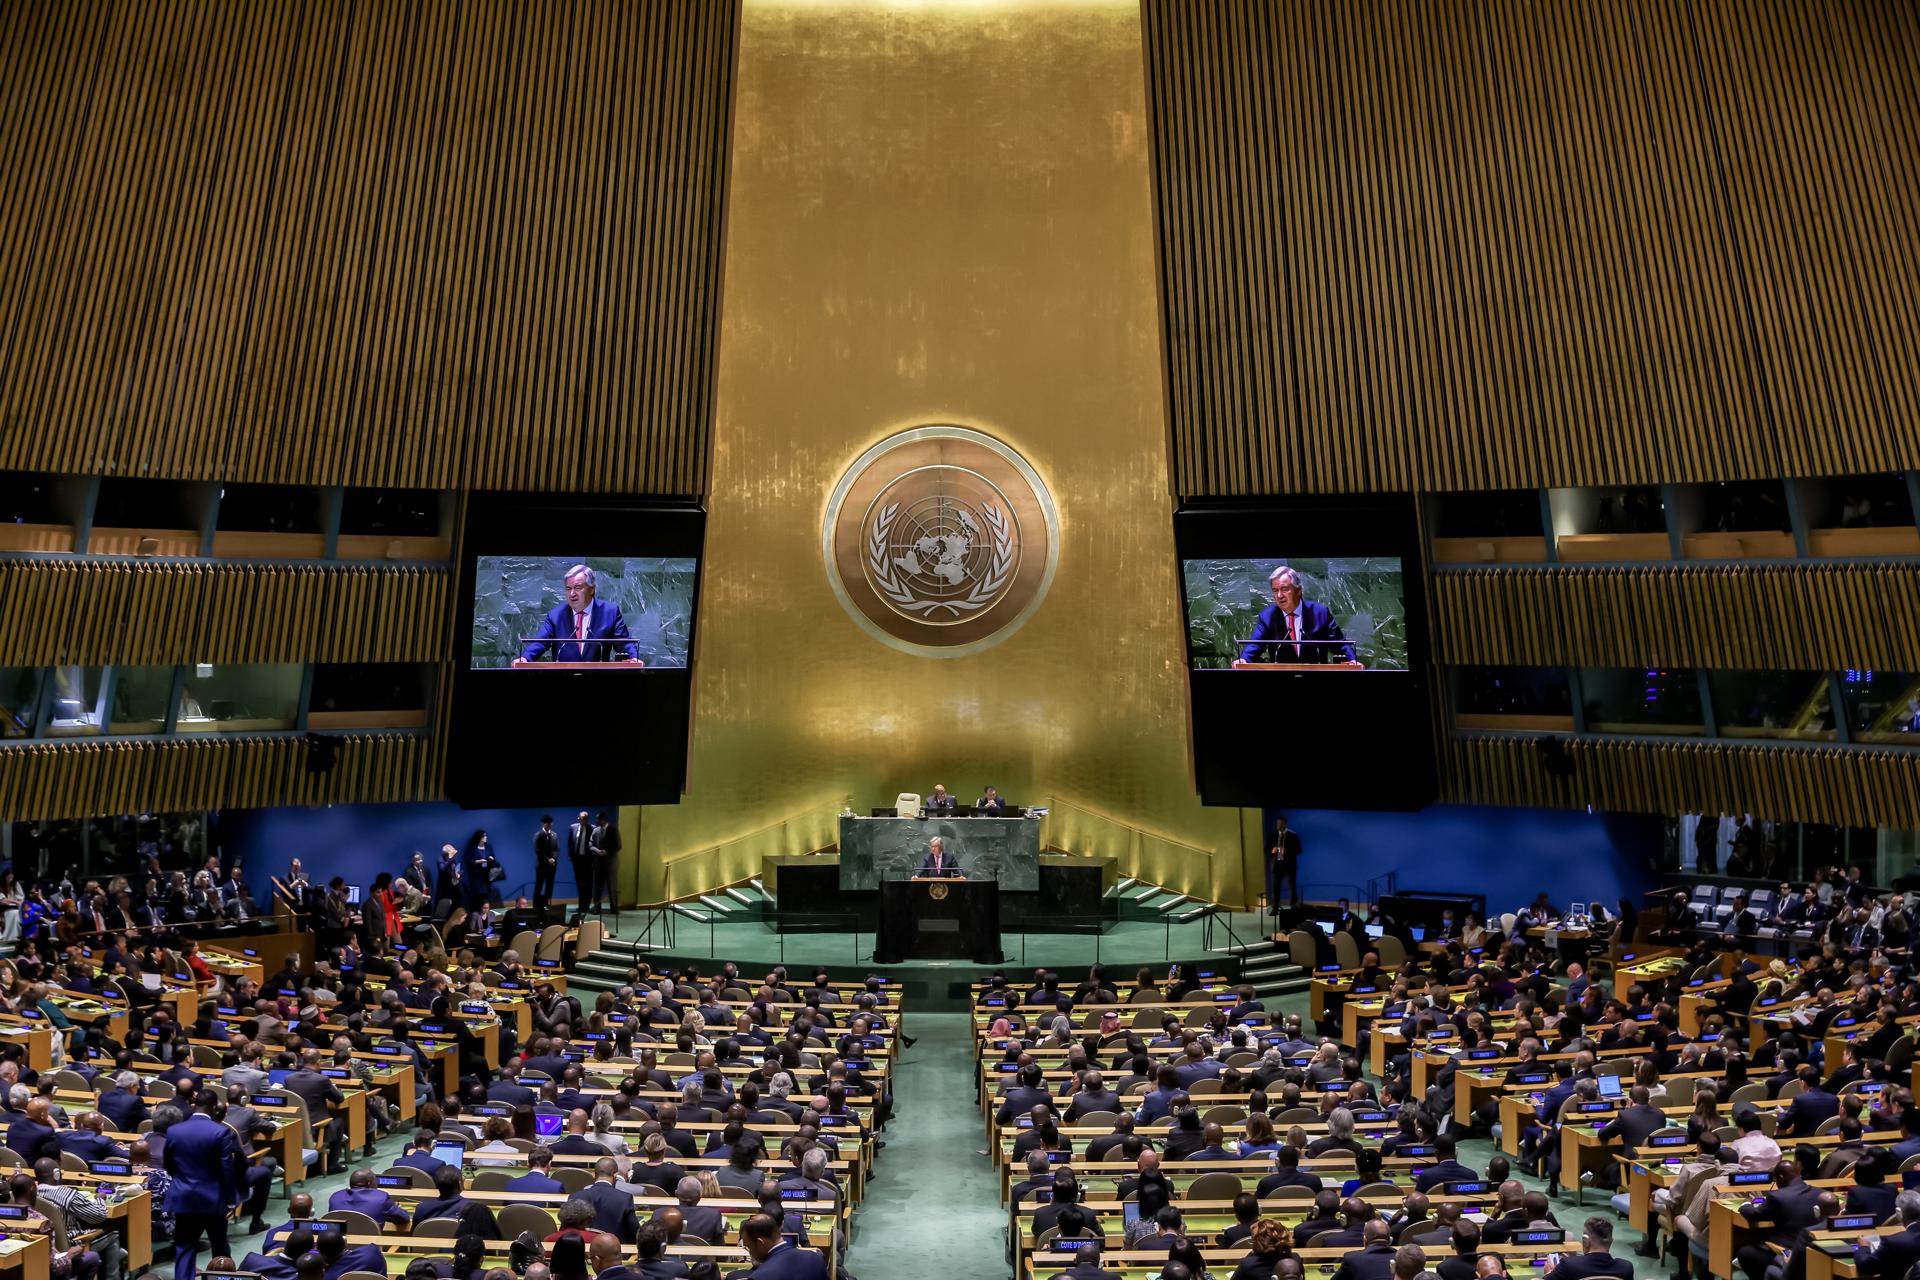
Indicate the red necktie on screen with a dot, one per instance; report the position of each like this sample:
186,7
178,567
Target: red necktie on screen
1293,633
580,635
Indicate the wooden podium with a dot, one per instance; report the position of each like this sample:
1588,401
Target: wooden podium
938,919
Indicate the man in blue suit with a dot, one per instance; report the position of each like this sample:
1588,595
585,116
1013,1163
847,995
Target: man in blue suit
1295,629
204,1159
88,1141
1811,1107
421,1157
582,629
537,1181
939,862
362,1194
774,1258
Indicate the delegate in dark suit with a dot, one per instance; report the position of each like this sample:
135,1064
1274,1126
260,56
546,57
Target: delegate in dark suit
1806,1112
785,1262
1374,1263
1898,1253
204,1159
1582,1266
1315,624
606,637
1634,1126
612,1210
1789,1209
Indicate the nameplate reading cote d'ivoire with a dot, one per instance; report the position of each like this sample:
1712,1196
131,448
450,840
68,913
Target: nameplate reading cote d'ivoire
940,541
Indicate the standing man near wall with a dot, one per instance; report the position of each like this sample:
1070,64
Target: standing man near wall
605,847
579,853
546,863
1283,863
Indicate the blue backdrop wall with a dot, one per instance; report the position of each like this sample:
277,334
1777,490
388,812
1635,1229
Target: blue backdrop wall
1507,854
359,841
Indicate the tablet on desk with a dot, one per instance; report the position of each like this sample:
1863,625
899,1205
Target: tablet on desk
450,1153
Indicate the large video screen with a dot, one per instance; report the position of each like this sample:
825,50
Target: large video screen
1306,652
575,626
1339,613
635,612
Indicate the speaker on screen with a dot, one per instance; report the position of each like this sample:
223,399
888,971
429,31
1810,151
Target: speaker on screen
573,641
1306,652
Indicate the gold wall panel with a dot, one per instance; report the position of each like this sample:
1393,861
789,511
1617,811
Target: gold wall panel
1854,786
82,779
428,245
1810,617
1510,244
98,612
938,213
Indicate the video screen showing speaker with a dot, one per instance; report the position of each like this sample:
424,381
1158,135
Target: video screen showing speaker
1331,613
632,612
1306,652
574,633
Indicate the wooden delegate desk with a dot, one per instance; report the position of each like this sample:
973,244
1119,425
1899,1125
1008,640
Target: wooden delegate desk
29,1257
938,919
36,1036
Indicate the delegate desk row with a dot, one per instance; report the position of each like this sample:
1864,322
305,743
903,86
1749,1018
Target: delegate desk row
1206,1219
823,1218
292,1125
1525,1258
402,1250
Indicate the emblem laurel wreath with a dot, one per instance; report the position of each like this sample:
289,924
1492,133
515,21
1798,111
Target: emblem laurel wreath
881,569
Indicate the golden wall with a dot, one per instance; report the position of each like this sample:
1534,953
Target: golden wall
939,214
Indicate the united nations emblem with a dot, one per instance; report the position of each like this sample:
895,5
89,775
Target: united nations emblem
937,891
940,541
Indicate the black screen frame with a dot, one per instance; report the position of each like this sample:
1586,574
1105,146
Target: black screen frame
530,737
1321,739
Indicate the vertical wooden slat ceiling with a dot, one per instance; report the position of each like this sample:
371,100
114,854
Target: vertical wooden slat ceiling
1848,786
436,246
92,612
1508,244
1805,617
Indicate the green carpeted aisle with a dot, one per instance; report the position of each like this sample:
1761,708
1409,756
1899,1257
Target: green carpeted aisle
934,1209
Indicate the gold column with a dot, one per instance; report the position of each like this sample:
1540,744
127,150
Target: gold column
939,213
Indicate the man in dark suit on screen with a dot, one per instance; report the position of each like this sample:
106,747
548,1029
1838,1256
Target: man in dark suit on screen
581,628
939,862
1295,629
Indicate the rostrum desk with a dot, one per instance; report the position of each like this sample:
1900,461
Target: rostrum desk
941,919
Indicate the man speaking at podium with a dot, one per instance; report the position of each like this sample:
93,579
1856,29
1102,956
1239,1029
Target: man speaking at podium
1294,629
583,629
938,863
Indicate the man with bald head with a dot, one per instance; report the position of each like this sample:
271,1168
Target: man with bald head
1214,1140
1373,1260
88,1140
31,1136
